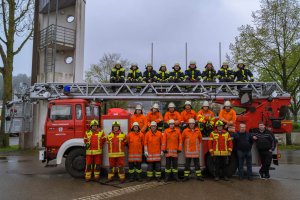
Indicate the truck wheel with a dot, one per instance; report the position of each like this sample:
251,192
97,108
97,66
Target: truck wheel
232,167
75,163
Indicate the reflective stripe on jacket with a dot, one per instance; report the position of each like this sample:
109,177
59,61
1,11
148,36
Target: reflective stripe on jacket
192,140
220,143
135,146
116,144
153,143
94,142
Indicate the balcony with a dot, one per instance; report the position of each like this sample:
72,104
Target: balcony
62,37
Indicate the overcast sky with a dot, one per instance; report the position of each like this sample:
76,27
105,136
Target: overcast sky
129,26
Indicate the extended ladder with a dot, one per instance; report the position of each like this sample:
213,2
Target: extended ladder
154,91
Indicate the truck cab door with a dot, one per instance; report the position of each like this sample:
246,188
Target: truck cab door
60,124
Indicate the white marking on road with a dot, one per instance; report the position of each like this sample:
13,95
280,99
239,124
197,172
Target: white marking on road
120,192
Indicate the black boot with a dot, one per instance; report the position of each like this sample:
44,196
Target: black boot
138,177
167,177
131,177
200,178
175,176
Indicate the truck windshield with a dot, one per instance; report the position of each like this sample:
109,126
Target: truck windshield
61,112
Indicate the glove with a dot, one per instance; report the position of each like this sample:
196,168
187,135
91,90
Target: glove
178,151
146,154
87,146
165,151
161,153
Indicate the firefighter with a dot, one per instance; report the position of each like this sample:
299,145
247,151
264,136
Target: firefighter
228,116
150,75
94,139
187,114
209,73
155,115
192,74
192,138
153,151
220,147
171,146
225,74
172,114
176,75
242,74
116,141
206,119
163,74
117,74
134,75
139,117
135,151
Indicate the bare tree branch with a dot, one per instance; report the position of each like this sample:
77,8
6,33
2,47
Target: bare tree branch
23,43
3,55
24,11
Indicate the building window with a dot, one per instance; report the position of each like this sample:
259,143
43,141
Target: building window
70,18
69,59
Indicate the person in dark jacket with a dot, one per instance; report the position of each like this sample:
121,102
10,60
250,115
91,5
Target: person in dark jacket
117,74
225,74
134,75
209,74
176,75
265,144
242,74
150,75
192,74
243,142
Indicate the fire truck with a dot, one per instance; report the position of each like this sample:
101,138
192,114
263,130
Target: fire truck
72,106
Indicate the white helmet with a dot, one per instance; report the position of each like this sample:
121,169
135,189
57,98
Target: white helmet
134,64
138,107
188,103
135,124
153,123
192,62
192,121
205,103
240,62
177,64
209,62
118,63
227,104
149,65
155,106
225,63
171,121
171,105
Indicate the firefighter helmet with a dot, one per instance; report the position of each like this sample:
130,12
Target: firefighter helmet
156,106
192,121
134,64
209,62
227,104
205,103
118,63
116,123
171,121
94,123
171,105
153,123
138,107
192,62
177,64
163,65
225,64
240,62
135,124
188,103
149,65
219,123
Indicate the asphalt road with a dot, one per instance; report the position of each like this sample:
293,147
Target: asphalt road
22,176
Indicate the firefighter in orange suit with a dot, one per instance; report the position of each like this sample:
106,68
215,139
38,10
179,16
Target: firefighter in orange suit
116,141
93,140
220,147
139,117
187,114
192,138
171,146
206,119
228,116
135,150
153,151
155,115
172,114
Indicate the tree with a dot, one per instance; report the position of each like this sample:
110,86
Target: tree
15,21
271,46
100,72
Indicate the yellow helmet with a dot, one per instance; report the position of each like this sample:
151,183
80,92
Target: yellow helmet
116,123
94,123
219,123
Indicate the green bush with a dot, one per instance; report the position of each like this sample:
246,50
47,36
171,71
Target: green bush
296,127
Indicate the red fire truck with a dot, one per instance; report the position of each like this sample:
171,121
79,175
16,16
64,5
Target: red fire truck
72,106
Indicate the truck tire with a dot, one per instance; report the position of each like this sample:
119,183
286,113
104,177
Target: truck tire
232,167
75,163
